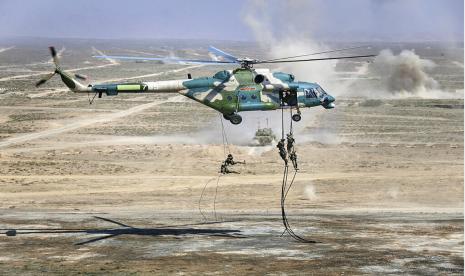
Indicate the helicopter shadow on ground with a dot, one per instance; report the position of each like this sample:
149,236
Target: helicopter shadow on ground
174,230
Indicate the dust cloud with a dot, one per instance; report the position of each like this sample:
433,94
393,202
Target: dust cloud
259,18
403,74
310,192
389,75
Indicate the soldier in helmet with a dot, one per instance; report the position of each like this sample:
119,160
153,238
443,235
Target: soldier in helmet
282,150
227,163
229,160
290,143
291,150
293,157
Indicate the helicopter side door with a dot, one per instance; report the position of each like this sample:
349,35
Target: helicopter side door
289,98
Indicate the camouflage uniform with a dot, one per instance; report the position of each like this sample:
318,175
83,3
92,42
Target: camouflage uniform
293,157
282,150
228,162
290,143
291,150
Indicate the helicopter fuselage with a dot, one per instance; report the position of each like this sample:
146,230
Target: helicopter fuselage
228,91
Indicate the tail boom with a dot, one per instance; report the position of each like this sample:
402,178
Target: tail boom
113,89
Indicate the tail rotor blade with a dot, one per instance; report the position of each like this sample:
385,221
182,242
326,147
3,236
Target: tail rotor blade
45,79
53,52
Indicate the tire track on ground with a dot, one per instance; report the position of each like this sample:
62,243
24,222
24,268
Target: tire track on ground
79,124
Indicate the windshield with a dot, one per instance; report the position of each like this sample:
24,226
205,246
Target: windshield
320,90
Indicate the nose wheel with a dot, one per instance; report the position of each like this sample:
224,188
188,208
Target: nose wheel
296,117
234,118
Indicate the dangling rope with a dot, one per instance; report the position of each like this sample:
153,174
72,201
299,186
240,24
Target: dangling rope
290,128
225,148
225,137
214,200
285,188
282,119
201,196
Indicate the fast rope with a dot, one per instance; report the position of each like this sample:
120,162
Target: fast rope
201,196
225,137
225,148
216,193
285,186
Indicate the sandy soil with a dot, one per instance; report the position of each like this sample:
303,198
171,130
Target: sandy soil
371,206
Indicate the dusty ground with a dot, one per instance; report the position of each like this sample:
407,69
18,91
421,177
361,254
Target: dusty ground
114,187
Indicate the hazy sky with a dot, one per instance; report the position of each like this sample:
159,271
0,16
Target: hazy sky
218,19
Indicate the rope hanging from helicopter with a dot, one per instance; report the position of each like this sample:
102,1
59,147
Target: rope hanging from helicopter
286,151
225,137
222,171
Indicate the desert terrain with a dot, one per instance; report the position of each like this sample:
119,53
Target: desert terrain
114,187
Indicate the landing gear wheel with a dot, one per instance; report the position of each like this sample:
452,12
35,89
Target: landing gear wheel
227,116
296,117
235,119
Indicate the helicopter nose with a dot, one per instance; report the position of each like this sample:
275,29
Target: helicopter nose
327,99
330,99
328,102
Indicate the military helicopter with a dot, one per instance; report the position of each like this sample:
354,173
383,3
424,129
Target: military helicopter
227,91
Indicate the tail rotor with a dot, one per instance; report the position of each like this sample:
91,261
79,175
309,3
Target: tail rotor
45,79
66,77
54,55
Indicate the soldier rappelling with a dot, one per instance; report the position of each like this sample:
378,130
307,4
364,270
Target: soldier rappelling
282,150
291,150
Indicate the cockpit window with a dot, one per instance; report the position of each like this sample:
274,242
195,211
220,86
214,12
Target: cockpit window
309,93
320,90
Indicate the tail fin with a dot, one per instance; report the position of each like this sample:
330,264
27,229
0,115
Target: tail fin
67,79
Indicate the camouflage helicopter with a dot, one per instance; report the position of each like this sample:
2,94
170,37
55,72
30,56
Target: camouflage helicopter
227,91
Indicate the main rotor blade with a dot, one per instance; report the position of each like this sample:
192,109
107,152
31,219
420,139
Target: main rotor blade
313,59
45,79
324,52
168,60
218,52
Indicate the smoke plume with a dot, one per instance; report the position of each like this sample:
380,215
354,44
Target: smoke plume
289,28
403,73
262,19
310,192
